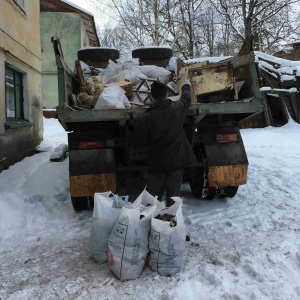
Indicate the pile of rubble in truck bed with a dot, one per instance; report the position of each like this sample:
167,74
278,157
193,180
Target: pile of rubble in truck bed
123,84
279,83
119,85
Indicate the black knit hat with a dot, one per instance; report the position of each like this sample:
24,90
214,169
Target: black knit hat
158,90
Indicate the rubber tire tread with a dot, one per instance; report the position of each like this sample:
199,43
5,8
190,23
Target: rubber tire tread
81,203
98,54
197,185
229,191
152,53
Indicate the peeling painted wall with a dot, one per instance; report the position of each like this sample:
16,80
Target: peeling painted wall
20,47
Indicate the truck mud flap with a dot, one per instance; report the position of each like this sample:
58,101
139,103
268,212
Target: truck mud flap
227,164
92,171
223,176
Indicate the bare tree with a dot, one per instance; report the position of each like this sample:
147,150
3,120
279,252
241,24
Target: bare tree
208,24
256,17
112,36
190,27
193,28
160,22
140,22
144,20
187,35
225,45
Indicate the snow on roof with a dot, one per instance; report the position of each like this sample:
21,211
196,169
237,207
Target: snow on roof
211,59
274,66
265,88
288,78
90,47
266,65
284,64
77,7
286,69
151,46
280,61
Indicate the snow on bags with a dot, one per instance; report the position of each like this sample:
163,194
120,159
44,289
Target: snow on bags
106,213
155,72
167,239
128,243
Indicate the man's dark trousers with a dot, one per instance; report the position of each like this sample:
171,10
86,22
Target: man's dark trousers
169,182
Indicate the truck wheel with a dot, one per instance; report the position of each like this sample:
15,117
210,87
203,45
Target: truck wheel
228,192
209,193
200,193
200,188
199,178
155,53
82,203
98,54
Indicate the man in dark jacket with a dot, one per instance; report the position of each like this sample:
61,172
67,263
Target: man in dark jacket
168,148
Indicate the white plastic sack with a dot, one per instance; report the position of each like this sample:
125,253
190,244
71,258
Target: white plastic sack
135,73
145,199
172,65
106,213
166,243
111,70
112,97
128,243
86,70
124,75
128,75
155,72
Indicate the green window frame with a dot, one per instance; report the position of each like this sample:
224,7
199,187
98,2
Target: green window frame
14,100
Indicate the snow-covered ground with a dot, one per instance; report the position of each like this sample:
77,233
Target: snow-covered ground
247,247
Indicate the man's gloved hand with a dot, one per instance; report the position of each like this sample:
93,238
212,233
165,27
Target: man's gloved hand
187,82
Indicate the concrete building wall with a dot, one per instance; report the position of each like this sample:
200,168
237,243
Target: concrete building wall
72,34
20,49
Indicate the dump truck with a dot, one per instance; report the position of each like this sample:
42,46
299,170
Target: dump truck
105,153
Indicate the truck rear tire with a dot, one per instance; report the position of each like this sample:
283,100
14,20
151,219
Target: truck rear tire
98,54
82,203
201,192
155,53
228,192
200,188
198,178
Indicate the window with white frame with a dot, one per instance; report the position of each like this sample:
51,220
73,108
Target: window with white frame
14,100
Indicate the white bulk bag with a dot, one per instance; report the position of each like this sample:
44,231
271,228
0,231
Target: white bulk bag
112,97
167,243
128,242
106,213
152,71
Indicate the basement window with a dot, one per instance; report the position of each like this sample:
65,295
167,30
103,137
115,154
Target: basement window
14,100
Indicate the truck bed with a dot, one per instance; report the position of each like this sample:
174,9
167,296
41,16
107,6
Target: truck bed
68,116
249,99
